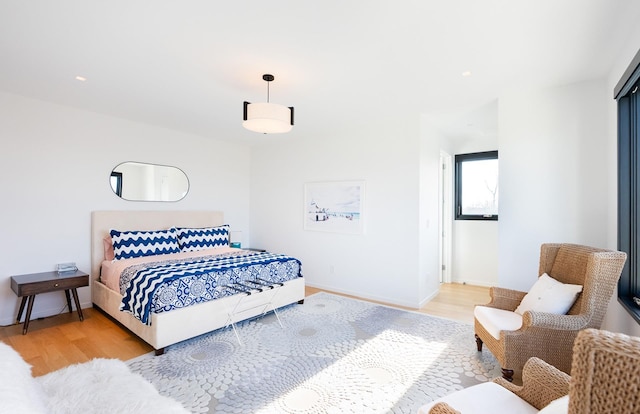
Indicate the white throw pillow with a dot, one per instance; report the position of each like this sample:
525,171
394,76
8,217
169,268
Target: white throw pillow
559,406
549,295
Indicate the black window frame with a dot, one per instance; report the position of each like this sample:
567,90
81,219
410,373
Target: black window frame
459,160
628,99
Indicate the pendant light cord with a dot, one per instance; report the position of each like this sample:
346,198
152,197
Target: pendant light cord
268,78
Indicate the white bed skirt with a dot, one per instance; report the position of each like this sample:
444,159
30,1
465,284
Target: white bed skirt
169,328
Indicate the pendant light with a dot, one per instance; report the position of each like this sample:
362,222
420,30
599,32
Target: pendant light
267,117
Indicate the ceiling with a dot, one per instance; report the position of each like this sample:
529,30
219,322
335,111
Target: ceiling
188,65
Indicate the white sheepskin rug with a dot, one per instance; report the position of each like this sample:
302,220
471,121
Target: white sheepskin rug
20,393
103,386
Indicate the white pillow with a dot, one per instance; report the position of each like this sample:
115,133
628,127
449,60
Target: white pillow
559,406
549,295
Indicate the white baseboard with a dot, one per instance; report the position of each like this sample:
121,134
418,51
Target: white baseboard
389,301
473,282
428,298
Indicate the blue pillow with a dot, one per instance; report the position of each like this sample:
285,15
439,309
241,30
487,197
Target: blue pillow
192,240
128,244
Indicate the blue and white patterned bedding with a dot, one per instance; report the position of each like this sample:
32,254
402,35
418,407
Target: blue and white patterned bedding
171,284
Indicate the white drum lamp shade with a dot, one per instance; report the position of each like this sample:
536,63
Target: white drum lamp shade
266,117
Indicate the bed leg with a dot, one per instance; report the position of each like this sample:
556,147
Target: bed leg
301,302
159,352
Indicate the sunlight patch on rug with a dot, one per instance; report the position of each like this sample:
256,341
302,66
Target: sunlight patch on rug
334,355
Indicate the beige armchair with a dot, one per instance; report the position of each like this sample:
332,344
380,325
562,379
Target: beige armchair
550,336
605,380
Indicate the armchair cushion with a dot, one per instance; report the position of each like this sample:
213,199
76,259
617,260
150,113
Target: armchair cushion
496,320
559,406
483,398
550,296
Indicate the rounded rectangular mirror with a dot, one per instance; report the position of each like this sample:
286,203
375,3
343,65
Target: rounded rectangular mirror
138,181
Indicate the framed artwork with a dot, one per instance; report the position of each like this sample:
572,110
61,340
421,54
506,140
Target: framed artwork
335,206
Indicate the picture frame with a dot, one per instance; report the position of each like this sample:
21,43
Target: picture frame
334,206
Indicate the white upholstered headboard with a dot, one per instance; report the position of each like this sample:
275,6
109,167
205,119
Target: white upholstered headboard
103,221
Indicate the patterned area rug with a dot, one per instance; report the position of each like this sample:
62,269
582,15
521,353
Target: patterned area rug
334,355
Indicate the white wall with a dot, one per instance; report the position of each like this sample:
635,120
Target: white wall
557,169
382,263
475,252
55,163
617,319
555,176
559,175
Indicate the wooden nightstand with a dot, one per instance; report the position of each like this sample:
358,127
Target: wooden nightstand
28,286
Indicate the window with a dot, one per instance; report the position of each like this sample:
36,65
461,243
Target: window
476,195
629,186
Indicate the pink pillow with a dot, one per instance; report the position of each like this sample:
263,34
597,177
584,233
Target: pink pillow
107,243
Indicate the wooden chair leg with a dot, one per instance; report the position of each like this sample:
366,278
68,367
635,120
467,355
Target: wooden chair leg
507,374
479,343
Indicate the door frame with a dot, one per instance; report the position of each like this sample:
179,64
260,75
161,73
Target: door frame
445,216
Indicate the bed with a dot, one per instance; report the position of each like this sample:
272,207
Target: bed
165,328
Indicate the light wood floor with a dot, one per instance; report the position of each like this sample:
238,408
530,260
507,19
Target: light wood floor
57,341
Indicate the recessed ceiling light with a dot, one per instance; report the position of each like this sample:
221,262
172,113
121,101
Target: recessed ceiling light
81,78
466,73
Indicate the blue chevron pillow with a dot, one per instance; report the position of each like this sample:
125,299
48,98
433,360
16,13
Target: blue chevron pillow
128,244
192,240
